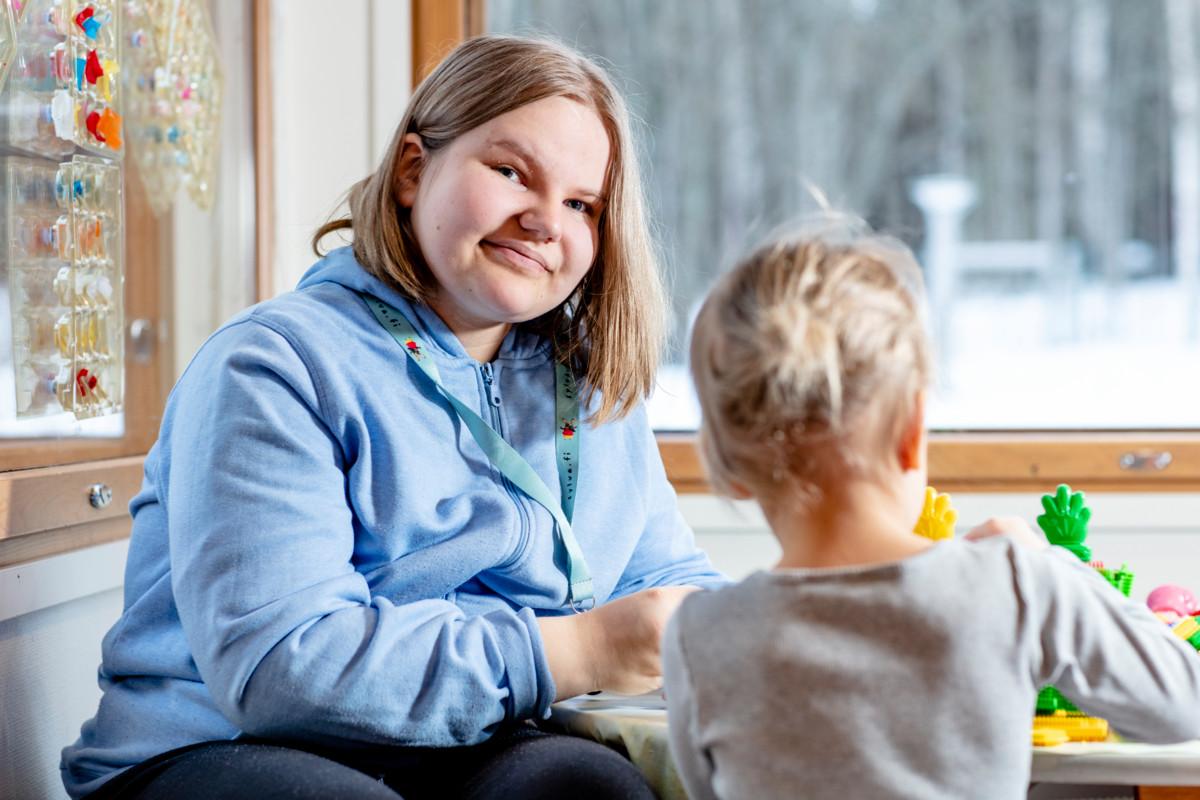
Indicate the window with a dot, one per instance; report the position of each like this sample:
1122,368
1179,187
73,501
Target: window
1043,160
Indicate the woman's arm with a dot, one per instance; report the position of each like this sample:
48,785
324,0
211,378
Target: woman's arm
284,631
666,553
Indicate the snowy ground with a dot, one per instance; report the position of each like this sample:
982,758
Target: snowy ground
1020,360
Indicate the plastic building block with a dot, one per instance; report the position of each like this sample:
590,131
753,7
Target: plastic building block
1049,737
1121,579
937,516
1076,728
1065,521
1188,629
1052,701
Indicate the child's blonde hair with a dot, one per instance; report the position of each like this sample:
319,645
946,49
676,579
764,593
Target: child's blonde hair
807,358
611,329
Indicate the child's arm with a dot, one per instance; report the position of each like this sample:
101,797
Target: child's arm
1108,654
691,759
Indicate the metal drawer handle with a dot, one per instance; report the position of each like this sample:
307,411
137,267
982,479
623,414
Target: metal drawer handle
1146,460
99,495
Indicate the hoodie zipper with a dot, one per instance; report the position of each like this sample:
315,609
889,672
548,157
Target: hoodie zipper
493,401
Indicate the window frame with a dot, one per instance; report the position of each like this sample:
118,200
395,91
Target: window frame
959,461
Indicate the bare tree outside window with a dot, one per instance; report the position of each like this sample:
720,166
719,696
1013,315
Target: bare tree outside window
1041,156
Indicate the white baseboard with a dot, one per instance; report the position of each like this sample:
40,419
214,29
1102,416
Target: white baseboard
46,582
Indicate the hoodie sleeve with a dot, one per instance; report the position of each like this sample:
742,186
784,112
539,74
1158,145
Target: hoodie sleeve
1108,654
284,631
666,553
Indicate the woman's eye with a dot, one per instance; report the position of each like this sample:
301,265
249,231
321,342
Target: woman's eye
509,173
580,206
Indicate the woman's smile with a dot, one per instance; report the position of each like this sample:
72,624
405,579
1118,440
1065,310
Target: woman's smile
516,255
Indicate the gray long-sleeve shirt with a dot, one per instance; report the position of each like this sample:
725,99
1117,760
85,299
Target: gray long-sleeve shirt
911,679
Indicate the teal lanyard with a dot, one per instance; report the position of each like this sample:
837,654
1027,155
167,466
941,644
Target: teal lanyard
505,458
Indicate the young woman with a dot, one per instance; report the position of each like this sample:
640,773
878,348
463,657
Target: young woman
378,503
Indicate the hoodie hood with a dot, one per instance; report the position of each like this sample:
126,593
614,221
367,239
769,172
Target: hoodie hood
342,268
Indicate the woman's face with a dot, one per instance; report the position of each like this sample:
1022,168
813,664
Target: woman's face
507,215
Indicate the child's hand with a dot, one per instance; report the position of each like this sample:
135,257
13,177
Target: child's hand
937,517
1066,519
1014,528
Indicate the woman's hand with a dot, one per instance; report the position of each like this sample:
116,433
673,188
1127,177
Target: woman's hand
1014,528
613,647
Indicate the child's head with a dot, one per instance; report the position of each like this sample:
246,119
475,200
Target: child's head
608,322
810,359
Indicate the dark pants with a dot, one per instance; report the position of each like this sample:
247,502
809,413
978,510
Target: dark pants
518,762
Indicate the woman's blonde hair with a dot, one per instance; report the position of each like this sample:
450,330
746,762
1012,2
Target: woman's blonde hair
807,358
610,330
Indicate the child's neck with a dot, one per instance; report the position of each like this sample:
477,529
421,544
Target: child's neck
857,523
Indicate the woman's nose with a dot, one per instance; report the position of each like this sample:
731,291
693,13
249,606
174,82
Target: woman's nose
544,221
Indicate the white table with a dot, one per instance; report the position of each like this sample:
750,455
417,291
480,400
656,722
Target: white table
638,727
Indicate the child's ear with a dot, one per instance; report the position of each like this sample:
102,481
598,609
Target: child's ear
911,451
408,169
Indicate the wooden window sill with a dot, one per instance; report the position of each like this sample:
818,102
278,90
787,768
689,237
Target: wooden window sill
1014,462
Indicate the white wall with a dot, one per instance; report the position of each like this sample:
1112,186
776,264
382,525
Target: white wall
341,81
53,614
1157,535
213,251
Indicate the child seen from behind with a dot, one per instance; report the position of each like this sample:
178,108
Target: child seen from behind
872,662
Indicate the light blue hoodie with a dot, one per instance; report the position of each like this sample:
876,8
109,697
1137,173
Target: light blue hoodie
321,551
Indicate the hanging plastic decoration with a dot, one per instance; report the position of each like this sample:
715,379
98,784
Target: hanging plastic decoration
174,85
62,141
8,40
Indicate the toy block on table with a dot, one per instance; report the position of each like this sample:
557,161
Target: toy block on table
1051,728
1057,720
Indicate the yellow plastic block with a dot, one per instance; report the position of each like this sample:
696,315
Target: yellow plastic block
937,516
1048,737
1186,628
1075,727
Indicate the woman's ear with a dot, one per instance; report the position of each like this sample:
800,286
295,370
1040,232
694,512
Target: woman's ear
408,169
911,451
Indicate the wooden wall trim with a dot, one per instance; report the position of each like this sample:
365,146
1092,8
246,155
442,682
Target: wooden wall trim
437,26
23,549
476,22
264,163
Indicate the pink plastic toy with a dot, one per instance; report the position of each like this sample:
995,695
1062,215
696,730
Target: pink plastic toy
1173,599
